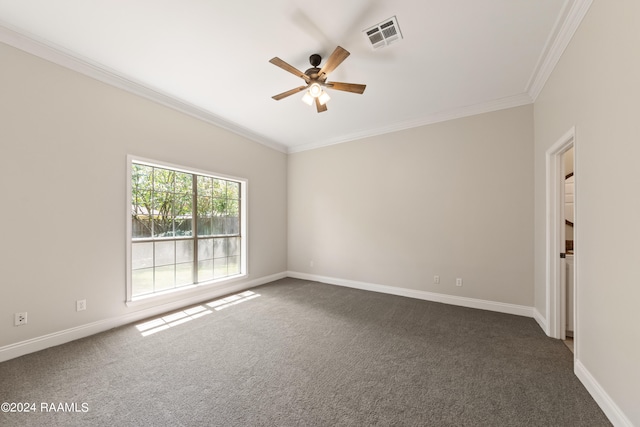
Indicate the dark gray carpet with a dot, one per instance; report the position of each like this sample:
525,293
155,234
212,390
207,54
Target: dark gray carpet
309,354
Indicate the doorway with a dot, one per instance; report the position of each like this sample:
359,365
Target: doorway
569,221
561,238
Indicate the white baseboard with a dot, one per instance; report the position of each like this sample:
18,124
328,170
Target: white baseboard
611,410
608,406
500,307
61,337
542,321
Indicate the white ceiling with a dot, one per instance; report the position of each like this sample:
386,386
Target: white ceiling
209,58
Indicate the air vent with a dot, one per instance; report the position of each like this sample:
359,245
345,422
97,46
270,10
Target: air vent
384,33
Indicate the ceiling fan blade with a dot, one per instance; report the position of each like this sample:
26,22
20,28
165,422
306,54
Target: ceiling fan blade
288,93
334,60
320,107
347,87
290,68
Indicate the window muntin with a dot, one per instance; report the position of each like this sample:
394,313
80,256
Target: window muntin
170,250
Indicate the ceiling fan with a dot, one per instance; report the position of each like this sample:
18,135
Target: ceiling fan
316,79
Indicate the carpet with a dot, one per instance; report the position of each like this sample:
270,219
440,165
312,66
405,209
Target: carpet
302,353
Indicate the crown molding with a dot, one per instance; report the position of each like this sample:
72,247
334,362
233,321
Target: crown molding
565,27
33,45
443,116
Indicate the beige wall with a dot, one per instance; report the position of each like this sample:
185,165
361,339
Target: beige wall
464,198
64,139
596,87
453,199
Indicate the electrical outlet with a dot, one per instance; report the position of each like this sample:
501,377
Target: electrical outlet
459,281
81,305
311,263
436,280
20,319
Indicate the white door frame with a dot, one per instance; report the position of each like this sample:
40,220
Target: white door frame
555,223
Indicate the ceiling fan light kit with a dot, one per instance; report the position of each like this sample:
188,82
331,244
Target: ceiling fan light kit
316,79
307,99
324,98
315,90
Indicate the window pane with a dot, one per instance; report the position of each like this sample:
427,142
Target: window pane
218,225
142,198
233,265
205,210
141,177
165,253
140,227
163,179
232,225
140,217
220,248
184,183
219,206
233,208
205,249
205,206
141,255
184,250
205,186
183,227
205,270
219,188
164,277
142,281
233,190
184,274
234,246
204,226
162,214
183,208
219,268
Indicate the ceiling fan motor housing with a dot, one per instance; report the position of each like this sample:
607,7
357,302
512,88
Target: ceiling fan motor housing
315,60
314,71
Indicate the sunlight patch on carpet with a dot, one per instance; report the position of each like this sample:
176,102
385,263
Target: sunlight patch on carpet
178,318
170,320
232,300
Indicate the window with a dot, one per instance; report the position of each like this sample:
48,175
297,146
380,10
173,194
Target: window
185,229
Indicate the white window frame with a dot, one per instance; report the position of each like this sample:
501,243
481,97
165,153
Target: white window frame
244,185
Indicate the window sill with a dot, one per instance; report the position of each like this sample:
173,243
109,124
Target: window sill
184,291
